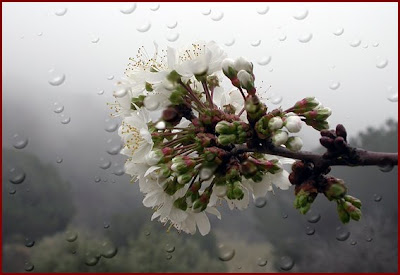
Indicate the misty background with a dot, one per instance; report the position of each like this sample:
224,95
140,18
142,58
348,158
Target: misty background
345,54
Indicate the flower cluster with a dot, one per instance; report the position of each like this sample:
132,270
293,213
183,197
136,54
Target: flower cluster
181,129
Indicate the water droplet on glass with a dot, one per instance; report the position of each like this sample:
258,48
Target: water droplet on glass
368,239
104,164
119,171
305,38
230,42
61,11
225,252
155,7
353,242
172,37
276,99
56,79
381,63
310,230
12,191
263,10
71,236
256,43
101,92
39,34
286,263
342,234
147,233
334,85
58,108
313,217
121,92
377,198
365,46
172,24
206,12
339,31
114,149
262,261
66,120
375,44
128,9
17,175
95,39
109,251
264,60
59,160
169,248
260,202
110,77
355,43
145,27
217,16
284,216
301,14
92,261
386,168
111,126
168,257
29,242
282,37
97,179
19,142
106,225
29,267
392,96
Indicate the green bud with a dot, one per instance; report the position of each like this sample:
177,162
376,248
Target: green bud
225,127
343,215
226,139
174,76
185,178
137,101
304,209
181,203
354,201
335,191
148,87
353,211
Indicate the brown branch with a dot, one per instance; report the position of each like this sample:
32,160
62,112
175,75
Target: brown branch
356,157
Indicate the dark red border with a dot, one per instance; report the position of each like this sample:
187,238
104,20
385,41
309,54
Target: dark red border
1,161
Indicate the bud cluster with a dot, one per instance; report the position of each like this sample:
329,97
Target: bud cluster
235,132
240,72
315,115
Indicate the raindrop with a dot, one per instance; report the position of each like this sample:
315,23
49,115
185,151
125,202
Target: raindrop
169,248
66,120
56,79
119,171
305,38
368,239
386,168
106,225
101,92
114,150
29,242
128,9
225,252
365,46
206,12
276,99
342,234
230,42
334,85
339,31
284,216
381,63
61,11
310,230
110,77
282,37
95,39
111,126
391,95
353,242
172,37
260,202
264,60
217,16
263,10
104,164
355,43
239,267
145,27
17,175
262,261
375,44
97,179
29,267
58,108
59,160
71,236
155,7
39,34
105,180
256,43
19,142
172,25
168,257
377,198
120,92
301,14
147,233
92,261
110,251
313,217
12,191
286,263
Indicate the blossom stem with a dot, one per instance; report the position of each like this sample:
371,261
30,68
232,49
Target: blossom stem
241,111
241,91
207,92
193,95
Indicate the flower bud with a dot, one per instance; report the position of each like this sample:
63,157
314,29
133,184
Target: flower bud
225,127
294,144
226,139
353,211
354,201
293,124
184,178
181,203
242,64
246,81
327,142
248,169
279,137
341,131
201,203
343,215
275,123
335,189
306,104
153,157
228,68
160,125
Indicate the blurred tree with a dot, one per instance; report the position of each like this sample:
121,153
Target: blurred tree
42,203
